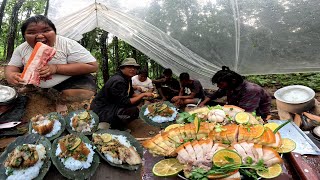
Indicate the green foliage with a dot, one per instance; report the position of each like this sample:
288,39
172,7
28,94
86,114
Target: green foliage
311,80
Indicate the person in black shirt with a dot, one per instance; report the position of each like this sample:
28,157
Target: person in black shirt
167,86
116,103
191,91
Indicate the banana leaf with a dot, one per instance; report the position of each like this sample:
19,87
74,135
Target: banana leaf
27,139
61,120
150,121
78,174
132,141
69,117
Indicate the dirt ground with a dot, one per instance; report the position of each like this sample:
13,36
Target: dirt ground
40,104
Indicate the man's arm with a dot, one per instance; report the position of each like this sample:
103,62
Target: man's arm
69,69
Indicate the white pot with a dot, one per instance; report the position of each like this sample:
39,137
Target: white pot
295,98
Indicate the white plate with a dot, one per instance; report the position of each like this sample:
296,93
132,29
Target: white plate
295,94
6,93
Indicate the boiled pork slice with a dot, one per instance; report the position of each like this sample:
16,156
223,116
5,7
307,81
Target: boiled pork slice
40,57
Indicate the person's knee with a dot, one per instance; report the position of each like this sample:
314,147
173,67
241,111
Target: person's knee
76,95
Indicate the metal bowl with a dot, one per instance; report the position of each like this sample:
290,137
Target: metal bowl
295,98
7,95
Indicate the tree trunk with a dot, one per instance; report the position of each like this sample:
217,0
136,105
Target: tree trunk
13,28
116,51
134,53
3,5
104,53
47,8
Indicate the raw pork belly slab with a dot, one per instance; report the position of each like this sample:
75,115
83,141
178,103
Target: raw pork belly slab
40,56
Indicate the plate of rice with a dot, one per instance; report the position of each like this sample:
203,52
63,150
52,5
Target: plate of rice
74,156
51,125
118,148
26,158
159,114
82,121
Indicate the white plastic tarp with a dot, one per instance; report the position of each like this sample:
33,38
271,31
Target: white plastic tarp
199,36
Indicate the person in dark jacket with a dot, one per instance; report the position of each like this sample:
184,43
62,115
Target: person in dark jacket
167,86
239,92
116,103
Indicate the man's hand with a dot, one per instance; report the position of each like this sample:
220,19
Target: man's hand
48,70
175,98
14,78
147,94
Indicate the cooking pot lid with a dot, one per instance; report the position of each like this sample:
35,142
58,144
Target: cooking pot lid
295,94
6,93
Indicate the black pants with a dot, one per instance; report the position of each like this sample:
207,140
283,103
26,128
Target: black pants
124,117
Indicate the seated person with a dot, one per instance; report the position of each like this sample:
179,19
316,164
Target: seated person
141,83
69,69
116,103
191,91
167,86
239,92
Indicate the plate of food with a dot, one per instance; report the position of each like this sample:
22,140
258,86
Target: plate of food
160,114
82,121
118,148
26,158
74,156
51,125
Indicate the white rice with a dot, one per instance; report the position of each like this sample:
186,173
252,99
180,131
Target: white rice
122,139
296,96
30,172
88,128
161,119
55,129
74,164
113,160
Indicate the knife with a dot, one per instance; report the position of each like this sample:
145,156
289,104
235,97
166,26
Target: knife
9,124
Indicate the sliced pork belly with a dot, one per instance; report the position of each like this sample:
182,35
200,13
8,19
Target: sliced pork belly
203,132
191,152
174,134
241,151
269,153
247,147
198,151
206,147
231,132
277,141
154,148
258,148
158,139
274,160
183,155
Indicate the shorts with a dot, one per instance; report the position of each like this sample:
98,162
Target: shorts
78,82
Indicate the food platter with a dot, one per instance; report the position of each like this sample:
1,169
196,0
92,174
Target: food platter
28,139
148,120
133,142
62,127
78,174
71,115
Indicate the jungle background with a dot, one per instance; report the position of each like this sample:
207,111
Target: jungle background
109,50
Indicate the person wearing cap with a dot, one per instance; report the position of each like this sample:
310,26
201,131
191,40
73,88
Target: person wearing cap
116,103
239,92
